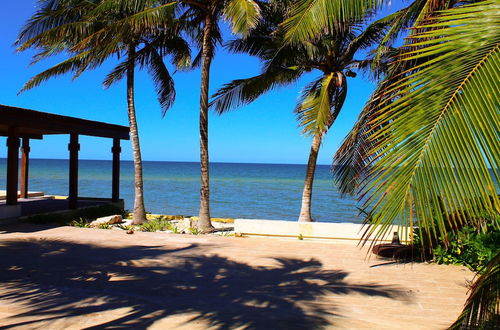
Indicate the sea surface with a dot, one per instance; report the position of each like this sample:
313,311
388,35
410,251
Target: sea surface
252,191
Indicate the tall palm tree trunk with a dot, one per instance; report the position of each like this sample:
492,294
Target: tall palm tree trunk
204,223
305,210
139,210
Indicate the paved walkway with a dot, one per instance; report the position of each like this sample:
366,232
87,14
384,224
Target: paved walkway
73,278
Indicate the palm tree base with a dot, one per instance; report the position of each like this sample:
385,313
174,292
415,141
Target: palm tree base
204,229
139,221
305,219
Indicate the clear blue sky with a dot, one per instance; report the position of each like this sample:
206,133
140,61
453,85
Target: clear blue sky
263,132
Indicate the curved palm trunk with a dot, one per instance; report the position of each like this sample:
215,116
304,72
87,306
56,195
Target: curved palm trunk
204,223
305,210
139,215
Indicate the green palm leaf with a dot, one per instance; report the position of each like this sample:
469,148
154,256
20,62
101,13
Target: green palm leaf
320,104
482,309
123,30
244,91
48,18
309,18
76,64
435,132
163,82
243,15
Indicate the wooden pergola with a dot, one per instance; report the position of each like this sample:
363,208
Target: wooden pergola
23,124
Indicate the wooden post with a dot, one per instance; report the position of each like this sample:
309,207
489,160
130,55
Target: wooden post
25,161
116,149
12,167
73,148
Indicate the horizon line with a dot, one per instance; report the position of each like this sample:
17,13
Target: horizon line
175,161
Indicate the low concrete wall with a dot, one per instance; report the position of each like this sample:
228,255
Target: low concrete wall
3,194
8,212
316,230
12,213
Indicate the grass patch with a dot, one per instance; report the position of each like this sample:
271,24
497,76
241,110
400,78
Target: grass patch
155,225
104,226
194,231
149,216
125,227
81,223
220,220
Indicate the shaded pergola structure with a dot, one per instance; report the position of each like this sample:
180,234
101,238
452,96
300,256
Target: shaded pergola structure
20,125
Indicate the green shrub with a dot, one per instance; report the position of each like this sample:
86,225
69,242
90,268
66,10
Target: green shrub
469,246
82,223
104,226
125,227
173,228
194,231
155,225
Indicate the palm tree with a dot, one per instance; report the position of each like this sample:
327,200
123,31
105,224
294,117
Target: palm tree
202,21
430,136
331,54
91,32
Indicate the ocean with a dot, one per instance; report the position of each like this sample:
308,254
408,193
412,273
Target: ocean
251,191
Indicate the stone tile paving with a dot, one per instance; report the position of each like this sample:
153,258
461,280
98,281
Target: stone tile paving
73,278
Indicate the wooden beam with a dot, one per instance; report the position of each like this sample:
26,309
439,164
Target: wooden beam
48,123
28,136
73,148
12,167
116,149
25,160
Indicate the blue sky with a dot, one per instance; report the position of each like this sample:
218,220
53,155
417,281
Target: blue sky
264,132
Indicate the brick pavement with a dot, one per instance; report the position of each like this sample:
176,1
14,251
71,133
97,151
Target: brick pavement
73,278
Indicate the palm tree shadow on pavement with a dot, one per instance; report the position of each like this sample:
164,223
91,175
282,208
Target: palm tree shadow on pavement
56,279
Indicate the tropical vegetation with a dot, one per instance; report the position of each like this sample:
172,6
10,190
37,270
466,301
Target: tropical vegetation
424,151
91,32
333,54
469,246
202,20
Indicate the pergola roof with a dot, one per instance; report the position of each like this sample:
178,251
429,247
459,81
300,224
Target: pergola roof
35,124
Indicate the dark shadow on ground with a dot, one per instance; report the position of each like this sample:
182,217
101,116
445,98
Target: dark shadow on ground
50,277
25,227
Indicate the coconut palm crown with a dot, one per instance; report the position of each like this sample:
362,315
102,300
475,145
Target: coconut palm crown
331,55
201,21
91,32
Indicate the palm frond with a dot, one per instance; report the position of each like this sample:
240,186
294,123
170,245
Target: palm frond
51,15
54,40
482,309
123,6
244,91
243,15
164,84
128,27
320,104
435,132
403,19
177,47
352,159
308,18
372,35
76,64
117,74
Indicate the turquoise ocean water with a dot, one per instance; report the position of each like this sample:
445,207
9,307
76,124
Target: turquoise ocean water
255,191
